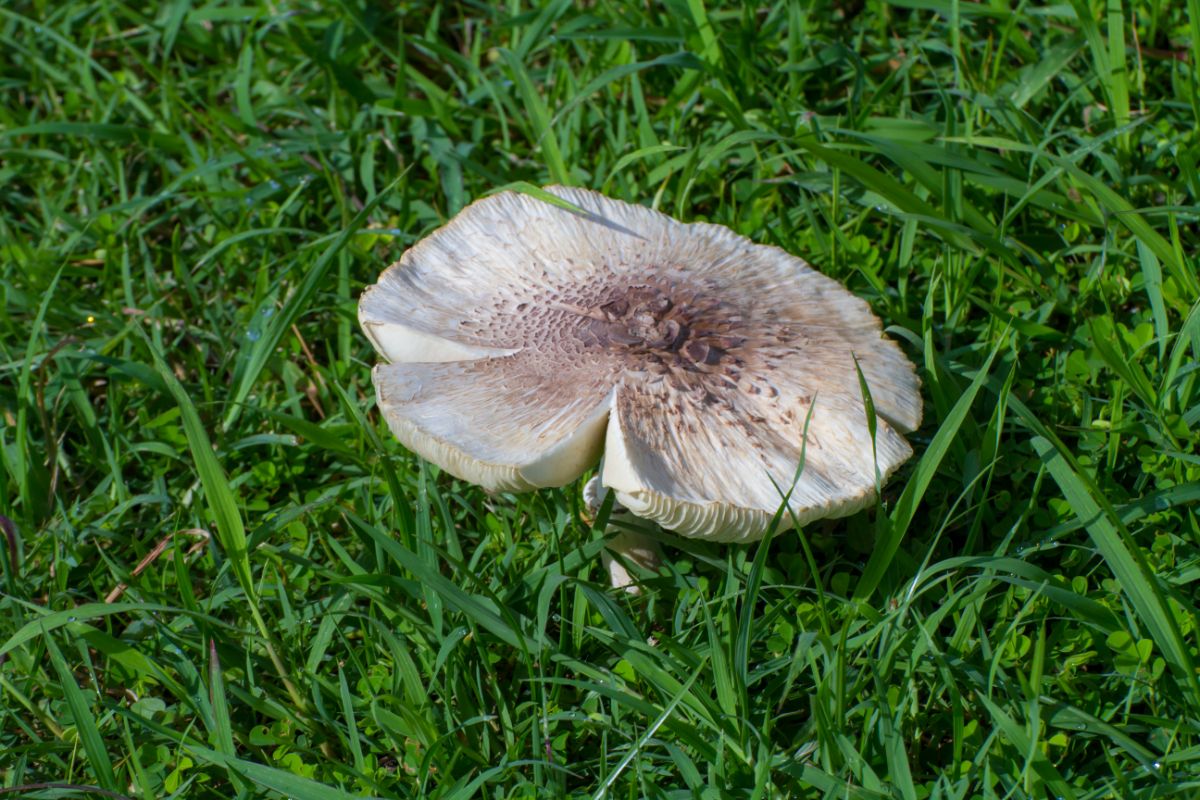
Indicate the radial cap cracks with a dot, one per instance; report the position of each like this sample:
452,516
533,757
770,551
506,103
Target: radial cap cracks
525,338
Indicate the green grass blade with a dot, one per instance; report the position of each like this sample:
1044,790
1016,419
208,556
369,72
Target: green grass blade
1124,213
352,724
481,611
652,729
53,620
222,502
223,505
539,118
221,736
1193,17
708,35
893,192
1152,283
85,721
19,454
1029,750
262,349
906,506
1118,76
614,74
286,783
1125,559
1108,344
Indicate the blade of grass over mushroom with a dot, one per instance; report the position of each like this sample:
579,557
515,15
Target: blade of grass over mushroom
249,368
927,467
872,423
526,188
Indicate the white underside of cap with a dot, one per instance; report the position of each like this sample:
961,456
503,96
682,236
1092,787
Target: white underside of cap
566,461
558,464
714,521
402,344
719,521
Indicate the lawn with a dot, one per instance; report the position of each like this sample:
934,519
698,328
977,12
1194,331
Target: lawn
222,576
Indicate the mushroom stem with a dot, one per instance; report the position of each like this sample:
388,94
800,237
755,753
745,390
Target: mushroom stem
634,548
625,546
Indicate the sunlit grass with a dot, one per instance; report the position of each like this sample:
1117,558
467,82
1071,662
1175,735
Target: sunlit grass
226,579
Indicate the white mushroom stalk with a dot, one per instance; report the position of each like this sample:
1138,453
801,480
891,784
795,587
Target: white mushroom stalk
631,546
525,339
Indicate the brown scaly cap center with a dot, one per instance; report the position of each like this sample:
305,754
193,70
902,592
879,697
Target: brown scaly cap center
665,325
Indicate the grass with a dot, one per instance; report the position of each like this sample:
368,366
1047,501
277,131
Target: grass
225,579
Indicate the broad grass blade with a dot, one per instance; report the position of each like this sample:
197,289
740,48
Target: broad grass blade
85,721
906,507
1125,559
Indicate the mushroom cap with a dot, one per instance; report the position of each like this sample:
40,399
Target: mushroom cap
524,339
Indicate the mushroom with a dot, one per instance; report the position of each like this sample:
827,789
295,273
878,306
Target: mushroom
523,339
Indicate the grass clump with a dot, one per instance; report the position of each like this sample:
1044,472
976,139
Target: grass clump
224,579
